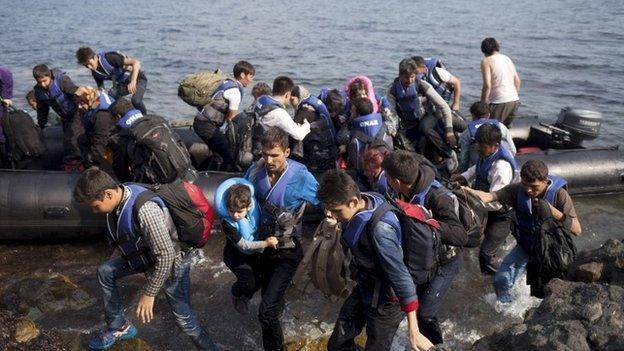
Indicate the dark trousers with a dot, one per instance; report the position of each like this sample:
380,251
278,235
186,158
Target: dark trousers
431,296
137,98
496,231
277,268
72,131
209,132
356,313
246,268
408,138
431,135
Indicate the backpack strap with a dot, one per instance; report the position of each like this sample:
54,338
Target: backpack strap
140,201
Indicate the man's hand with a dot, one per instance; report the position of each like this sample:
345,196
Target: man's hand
271,242
451,140
145,309
419,342
132,87
455,107
7,102
459,179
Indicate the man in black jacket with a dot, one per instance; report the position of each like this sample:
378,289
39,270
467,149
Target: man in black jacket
414,181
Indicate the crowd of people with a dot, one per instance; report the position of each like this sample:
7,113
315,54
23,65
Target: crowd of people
386,165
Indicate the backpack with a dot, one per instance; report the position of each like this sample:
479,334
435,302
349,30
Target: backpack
239,137
326,263
197,89
420,240
472,216
156,153
188,207
552,250
24,137
368,141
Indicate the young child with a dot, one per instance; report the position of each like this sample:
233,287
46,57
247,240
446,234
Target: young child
240,216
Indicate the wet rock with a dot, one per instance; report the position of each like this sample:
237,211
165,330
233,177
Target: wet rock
21,334
25,330
319,344
135,344
40,294
575,315
589,272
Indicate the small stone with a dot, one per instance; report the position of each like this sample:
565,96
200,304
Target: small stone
589,272
592,312
25,330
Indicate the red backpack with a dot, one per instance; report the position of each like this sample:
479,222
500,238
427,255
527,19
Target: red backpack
189,209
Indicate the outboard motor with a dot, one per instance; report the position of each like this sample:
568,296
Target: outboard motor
582,124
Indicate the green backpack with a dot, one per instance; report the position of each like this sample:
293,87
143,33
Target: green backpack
197,89
325,264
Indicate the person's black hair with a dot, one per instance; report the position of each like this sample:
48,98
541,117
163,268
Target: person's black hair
84,54
355,87
92,185
488,134
296,91
480,109
120,107
275,137
402,165
534,170
41,71
407,67
363,106
489,46
419,60
243,67
337,188
282,85
334,103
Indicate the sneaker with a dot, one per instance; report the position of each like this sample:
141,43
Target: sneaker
241,305
107,339
451,162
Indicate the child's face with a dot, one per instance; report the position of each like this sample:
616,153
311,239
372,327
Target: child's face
237,215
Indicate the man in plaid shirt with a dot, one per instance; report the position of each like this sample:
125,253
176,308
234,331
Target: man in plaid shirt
141,234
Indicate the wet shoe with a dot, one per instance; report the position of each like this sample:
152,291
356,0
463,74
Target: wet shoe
241,305
107,339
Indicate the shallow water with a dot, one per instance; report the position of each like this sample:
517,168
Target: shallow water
567,52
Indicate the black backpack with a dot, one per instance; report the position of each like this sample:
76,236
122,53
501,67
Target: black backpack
368,141
239,136
24,137
552,250
420,239
156,153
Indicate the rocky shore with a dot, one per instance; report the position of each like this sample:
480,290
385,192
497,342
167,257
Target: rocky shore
582,313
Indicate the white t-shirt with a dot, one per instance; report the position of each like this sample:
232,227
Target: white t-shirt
503,72
233,97
281,119
445,76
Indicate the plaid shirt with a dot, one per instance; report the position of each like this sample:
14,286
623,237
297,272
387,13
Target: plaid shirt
154,227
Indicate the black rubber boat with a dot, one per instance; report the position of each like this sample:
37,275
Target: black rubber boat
37,203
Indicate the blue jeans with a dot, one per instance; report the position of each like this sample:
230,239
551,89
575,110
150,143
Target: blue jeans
431,296
177,289
511,268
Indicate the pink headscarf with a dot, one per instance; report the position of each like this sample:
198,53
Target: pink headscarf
370,92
